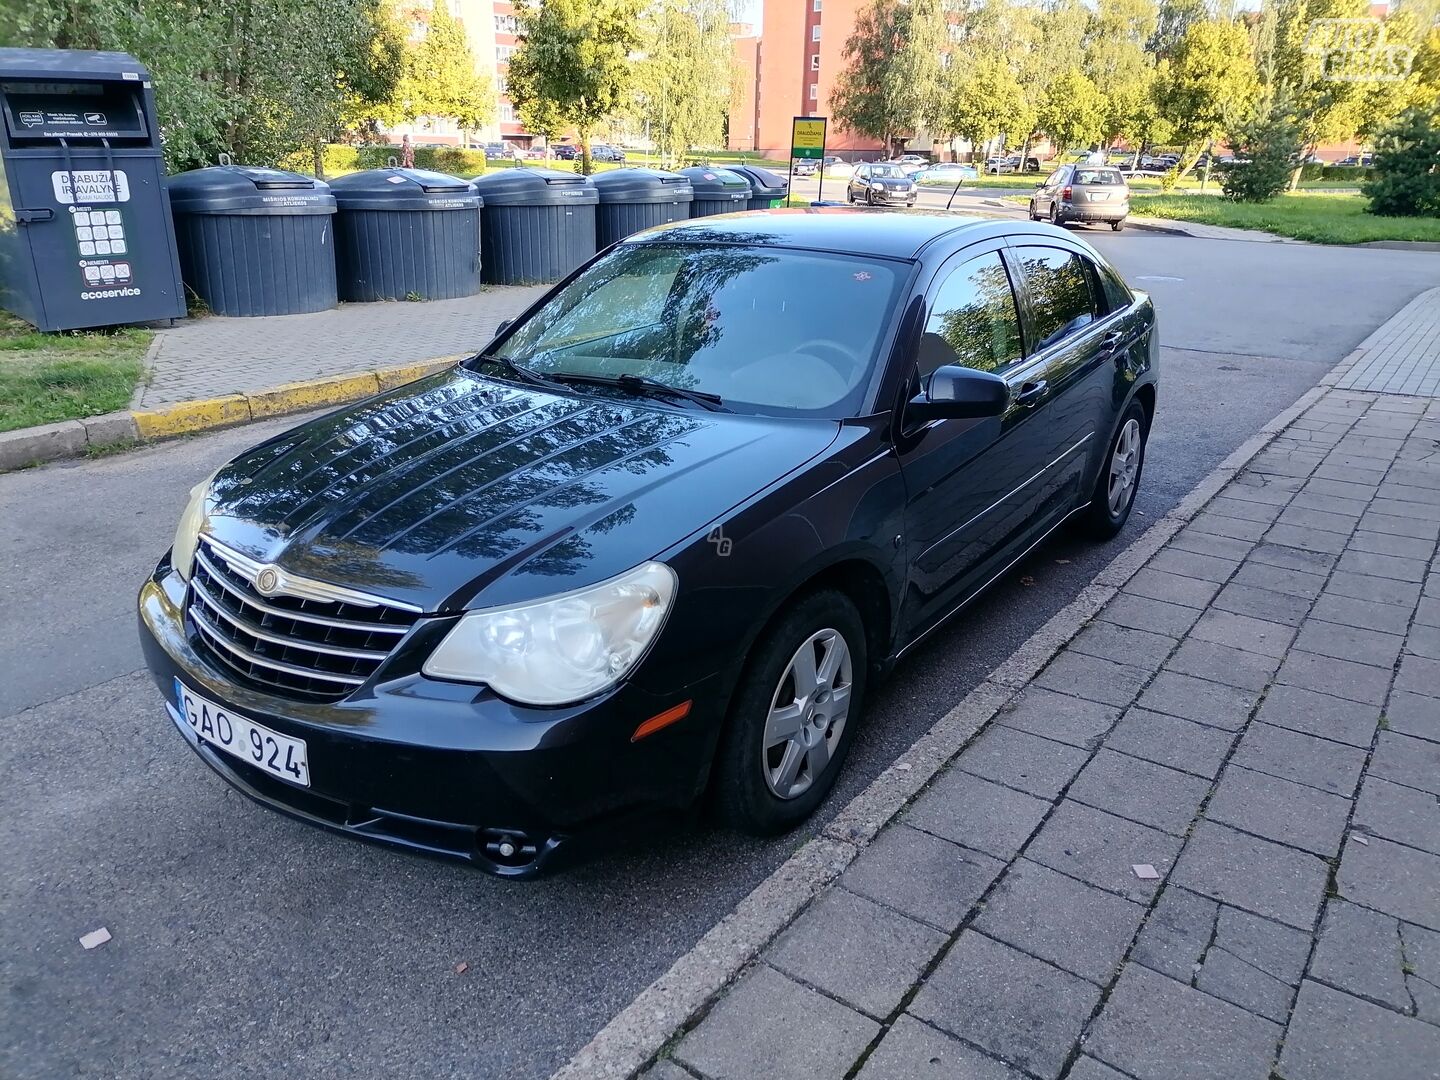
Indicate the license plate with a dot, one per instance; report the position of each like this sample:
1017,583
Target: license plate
1099,196
240,737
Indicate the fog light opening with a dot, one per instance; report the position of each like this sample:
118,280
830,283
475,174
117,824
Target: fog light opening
508,847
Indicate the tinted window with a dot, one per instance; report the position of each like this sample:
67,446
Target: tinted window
775,329
972,321
1099,177
1117,293
1060,296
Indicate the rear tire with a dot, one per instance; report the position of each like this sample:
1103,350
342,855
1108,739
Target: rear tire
1114,494
1055,214
1118,225
792,719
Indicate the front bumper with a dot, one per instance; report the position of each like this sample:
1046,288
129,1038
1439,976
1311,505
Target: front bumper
445,768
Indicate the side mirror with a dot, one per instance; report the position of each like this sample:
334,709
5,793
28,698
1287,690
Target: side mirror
1039,183
959,393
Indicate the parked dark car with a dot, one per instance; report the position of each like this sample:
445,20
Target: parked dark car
881,183
658,539
606,152
565,151
1088,193
499,151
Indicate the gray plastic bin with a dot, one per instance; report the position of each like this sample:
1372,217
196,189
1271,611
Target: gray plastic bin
767,189
537,224
635,199
717,191
402,233
255,241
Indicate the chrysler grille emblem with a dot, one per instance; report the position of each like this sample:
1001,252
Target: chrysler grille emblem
267,581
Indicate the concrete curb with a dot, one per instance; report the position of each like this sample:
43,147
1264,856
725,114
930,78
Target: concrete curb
71,438
668,1005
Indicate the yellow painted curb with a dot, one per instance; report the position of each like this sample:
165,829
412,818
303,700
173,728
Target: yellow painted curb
312,394
188,416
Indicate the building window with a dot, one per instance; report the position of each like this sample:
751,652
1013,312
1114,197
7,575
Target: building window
817,5
505,24
814,91
502,84
815,62
507,112
503,53
815,32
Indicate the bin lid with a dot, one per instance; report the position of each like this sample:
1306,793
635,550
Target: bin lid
765,182
231,189
524,186
70,64
403,189
638,185
719,184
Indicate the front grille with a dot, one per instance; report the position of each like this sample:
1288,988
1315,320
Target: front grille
314,649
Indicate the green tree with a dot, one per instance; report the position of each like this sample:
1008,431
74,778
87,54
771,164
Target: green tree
1173,20
1407,167
1268,145
985,100
438,76
892,84
683,75
575,56
1209,81
1074,111
1117,62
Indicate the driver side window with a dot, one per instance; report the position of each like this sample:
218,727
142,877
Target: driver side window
973,320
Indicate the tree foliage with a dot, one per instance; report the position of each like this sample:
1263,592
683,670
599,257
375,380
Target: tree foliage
985,100
1269,146
1407,167
257,78
1074,111
574,61
683,75
1117,62
892,84
1209,82
438,77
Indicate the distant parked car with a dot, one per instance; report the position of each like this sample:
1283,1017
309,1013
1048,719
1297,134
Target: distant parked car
997,165
1363,161
804,167
565,151
879,183
606,152
834,166
911,163
944,171
1082,193
499,151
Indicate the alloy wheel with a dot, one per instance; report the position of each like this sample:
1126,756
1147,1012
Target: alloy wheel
808,712
1124,467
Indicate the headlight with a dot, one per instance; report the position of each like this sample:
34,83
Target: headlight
187,533
564,648
877,187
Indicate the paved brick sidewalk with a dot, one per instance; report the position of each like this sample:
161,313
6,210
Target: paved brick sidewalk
211,356
1255,715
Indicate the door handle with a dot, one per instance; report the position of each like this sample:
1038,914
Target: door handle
1112,341
1032,393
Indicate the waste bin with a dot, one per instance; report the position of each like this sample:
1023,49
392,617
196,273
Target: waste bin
635,199
717,191
255,241
85,232
767,188
537,225
404,233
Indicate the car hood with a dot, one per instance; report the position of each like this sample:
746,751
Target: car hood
464,491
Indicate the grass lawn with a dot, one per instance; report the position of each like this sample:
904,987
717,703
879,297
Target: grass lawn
45,378
1319,217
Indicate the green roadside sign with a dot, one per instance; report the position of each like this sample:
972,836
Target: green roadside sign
807,137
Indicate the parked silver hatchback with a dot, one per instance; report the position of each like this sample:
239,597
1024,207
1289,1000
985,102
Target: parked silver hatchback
1082,193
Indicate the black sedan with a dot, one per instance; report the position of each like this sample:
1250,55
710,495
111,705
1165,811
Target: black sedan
881,183
657,540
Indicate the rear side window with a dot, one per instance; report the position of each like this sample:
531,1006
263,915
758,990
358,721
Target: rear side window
1117,293
1061,300
973,321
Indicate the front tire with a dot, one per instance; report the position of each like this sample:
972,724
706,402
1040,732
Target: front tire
1055,214
1114,495
1118,225
793,716
1033,215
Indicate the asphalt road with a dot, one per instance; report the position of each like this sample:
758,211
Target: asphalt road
248,945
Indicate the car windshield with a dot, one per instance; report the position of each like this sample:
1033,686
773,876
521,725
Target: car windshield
893,172
769,330
1098,177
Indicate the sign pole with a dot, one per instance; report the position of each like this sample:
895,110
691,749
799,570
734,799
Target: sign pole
807,140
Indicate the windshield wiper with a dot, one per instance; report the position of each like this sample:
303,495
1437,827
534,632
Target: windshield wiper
638,384
524,374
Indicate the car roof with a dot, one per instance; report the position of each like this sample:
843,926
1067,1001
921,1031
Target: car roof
832,228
